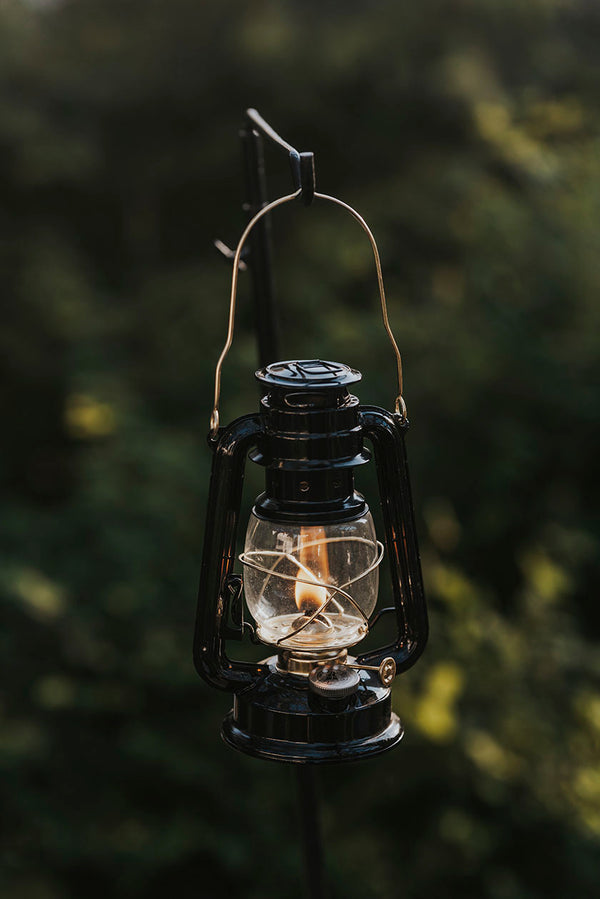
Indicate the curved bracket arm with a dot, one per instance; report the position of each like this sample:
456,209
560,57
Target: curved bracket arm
301,164
386,432
218,556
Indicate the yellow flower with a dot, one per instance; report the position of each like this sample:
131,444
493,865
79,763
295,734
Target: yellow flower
87,419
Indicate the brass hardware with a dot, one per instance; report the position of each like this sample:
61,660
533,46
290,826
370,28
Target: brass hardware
386,671
301,664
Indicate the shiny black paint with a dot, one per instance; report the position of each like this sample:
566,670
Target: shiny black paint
282,720
386,432
311,443
302,165
218,558
309,439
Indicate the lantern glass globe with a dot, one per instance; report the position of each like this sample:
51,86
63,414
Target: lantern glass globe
311,587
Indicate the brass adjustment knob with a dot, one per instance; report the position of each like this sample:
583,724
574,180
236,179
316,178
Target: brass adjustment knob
387,671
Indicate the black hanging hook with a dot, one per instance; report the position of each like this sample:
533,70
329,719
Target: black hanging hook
301,164
307,177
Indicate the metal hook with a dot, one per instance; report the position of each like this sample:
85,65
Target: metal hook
400,405
307,177
301,164
228,253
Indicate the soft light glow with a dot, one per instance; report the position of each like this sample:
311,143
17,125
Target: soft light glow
313,562
338,562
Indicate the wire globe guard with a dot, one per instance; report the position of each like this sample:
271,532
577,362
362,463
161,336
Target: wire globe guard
332,592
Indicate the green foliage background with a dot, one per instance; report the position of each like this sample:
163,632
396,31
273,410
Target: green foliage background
467,134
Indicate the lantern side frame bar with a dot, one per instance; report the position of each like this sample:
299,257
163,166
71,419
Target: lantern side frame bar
386,432
230,451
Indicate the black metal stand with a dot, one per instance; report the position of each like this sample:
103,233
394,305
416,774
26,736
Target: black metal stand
310,823
261,254
308,436
267,332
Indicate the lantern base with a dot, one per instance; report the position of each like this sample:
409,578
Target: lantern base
281,719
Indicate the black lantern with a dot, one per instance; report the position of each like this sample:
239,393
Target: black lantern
310,564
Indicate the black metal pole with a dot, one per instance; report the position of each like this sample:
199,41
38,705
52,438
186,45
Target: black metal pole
260,261
260,257
306,778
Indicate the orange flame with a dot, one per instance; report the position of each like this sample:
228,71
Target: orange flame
315,564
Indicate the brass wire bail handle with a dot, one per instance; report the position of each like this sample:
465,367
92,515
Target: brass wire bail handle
399,404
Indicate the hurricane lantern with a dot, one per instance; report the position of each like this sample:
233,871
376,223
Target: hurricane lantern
310,564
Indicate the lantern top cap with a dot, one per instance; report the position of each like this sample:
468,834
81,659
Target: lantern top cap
308,373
